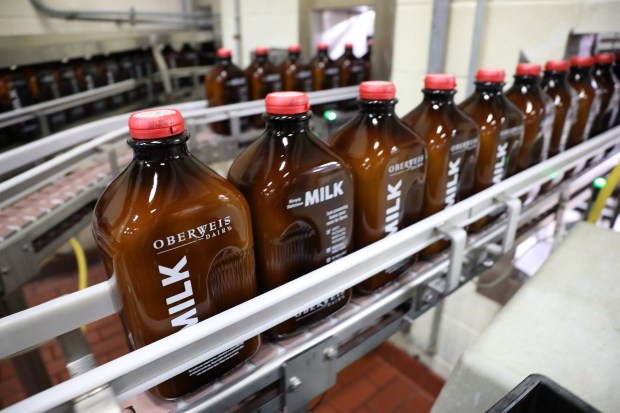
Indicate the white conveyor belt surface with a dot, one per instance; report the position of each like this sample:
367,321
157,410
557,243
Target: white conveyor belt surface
563,324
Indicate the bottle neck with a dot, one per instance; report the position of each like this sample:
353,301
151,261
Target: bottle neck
438,98
527,84
293,56
377,108
602,69
489,89
322,53
170,148
348,52
580,73
261,58
554,78
224,61
285,126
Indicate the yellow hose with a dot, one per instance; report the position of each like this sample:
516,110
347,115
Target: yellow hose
80,256
606,191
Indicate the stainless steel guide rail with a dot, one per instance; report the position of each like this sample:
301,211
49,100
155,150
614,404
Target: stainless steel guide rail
143,368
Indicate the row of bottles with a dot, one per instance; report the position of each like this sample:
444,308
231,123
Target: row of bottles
28,85
226,83
185,244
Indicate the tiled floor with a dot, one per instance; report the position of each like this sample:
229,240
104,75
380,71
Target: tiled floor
386,380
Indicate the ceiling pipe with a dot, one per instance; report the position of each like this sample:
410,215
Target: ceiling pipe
199,20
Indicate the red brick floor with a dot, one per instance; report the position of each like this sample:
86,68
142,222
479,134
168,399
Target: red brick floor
105,337
386,380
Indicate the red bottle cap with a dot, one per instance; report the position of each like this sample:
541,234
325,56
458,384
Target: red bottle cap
287,103
348,45
156,124
377,90
261,50
581,61
604,58
222,52
557,65
528,69
439,81
322,46
294,48
490,75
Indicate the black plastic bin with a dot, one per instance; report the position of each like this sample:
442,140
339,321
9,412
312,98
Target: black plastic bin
539,394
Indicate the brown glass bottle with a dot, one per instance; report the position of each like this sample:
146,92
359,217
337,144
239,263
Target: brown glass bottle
606,83
114,74
16,93
325,72
296,75
555,85
580,79
262,77
388,163
501,131
538,110
69,86
301,197
351,73
452,140
45,87
91,75
225,84
325,75
178,239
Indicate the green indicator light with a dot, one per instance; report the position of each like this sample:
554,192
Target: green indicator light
599,183
330,115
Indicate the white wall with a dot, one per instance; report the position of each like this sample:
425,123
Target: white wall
538,27
270,23
18,17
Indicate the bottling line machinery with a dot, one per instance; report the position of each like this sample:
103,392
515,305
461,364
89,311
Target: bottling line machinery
43,207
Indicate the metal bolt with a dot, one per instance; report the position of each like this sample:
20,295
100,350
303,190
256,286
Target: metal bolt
330,353
428,297
488,263
294,383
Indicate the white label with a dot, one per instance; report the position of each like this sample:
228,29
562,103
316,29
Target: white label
595,108
336,218
453,180
464,146
392,213
499,168
323,193
216,360
179,302
406,166
274,77
236,81
303,74
332,71
154,113
331,301
206,231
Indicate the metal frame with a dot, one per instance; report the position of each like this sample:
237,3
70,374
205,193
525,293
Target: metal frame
56,46
145,367
383,41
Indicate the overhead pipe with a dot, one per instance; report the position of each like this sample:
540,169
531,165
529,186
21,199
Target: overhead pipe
191,20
